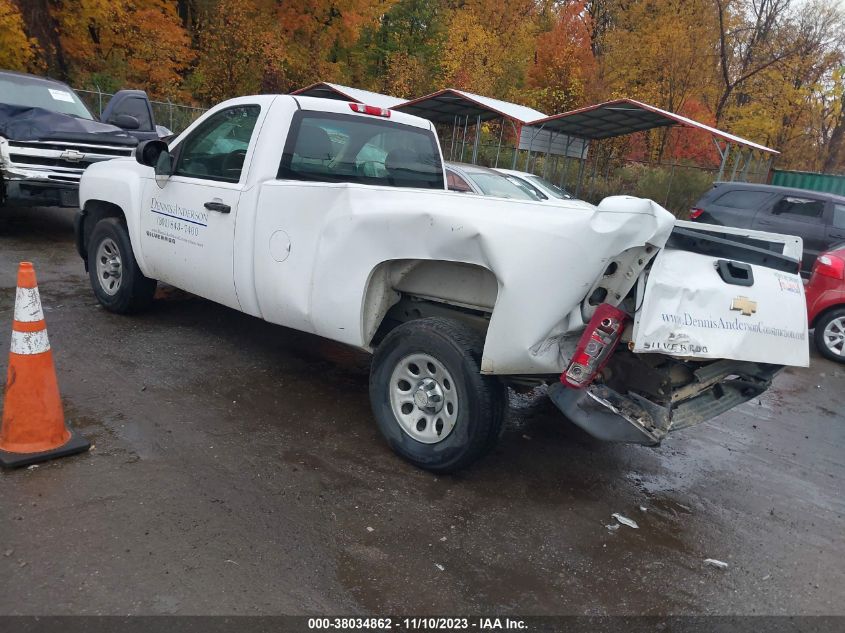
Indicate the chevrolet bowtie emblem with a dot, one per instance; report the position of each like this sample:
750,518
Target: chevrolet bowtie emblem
744,305
72,155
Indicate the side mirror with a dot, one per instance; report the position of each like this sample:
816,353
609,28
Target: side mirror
164,168
148,152
125,121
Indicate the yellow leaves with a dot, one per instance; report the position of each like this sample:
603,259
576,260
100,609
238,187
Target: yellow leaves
125,43
486,54
563,61
17,51
233,45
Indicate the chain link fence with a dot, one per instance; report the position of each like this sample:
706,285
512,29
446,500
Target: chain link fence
174,116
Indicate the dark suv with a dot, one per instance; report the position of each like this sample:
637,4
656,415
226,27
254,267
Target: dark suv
816,217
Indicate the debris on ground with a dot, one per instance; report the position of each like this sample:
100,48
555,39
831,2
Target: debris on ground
718,564
612,527
440,567
643,509
369,529
625,520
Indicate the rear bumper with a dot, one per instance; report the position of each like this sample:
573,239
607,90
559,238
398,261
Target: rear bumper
613,417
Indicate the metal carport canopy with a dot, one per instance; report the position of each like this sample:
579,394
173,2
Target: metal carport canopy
626,116
326,90
443,106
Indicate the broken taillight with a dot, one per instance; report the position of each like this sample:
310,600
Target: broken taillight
368,109
595,346
694,214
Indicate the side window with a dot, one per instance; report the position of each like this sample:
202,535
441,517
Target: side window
330,147
839,216
742,199
216,149
456,183
801,209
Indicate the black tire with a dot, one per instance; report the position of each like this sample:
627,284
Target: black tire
134,292
481,399
821,324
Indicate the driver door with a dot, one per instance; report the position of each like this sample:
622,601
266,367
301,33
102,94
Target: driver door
188,219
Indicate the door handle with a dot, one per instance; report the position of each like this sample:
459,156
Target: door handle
764,222
218,206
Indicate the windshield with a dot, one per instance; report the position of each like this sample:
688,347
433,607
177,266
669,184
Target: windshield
550,187
499,186
56,97
524,184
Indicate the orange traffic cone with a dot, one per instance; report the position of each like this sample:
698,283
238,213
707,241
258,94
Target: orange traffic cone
33,427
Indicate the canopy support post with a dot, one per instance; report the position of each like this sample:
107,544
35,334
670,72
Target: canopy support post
583,160
737,161
499,146
454,134
548,154
477,139
464,141
565,171
724,154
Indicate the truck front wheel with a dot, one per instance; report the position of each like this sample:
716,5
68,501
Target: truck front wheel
118,283
429,398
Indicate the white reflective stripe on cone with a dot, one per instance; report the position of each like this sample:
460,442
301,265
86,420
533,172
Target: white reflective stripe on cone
28,305
30,342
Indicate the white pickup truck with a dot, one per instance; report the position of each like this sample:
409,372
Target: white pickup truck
334,218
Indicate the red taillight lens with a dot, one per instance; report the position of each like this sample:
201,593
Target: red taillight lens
694,214
595,347
368,109
830,266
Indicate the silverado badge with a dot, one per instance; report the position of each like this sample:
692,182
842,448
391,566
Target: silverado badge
744,305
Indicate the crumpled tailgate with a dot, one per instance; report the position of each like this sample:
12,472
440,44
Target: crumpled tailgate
707,306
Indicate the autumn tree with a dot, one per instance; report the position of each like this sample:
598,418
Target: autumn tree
314,40
403,53
563,65
233,41
120,43
17,51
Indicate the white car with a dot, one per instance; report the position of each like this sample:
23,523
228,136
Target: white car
334,218
545,189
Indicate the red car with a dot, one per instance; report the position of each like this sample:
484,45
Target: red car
826,303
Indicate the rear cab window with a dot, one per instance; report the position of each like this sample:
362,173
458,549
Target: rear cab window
330,147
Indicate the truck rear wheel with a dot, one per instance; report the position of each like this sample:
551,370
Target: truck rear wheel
118,283
429,398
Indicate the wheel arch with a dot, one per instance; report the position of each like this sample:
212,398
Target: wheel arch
93,212
457,287
824,312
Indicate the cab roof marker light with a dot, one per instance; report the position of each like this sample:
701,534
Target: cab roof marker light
368,109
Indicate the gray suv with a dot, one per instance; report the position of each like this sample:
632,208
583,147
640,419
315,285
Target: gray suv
816,217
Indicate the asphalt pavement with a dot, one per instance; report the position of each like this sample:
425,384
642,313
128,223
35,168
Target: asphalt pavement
236,469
